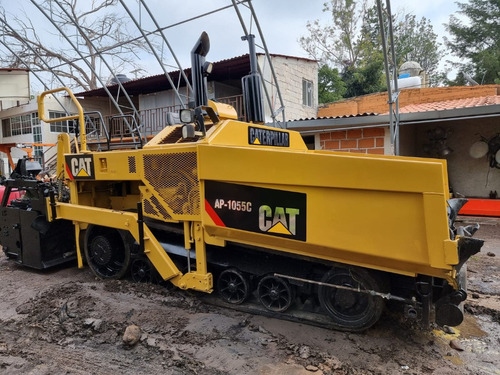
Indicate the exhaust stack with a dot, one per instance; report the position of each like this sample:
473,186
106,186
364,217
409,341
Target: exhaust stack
199,70
252,89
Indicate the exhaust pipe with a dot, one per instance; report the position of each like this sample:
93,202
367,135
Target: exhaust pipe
199,70
252,89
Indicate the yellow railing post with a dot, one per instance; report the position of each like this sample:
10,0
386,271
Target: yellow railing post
79,116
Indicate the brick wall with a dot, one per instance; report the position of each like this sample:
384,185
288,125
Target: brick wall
365,141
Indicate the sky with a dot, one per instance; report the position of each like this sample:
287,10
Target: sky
283,22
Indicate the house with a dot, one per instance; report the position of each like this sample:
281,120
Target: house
154,97
442,122
23,131
157,104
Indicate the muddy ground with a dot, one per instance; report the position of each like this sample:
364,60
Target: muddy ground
68,322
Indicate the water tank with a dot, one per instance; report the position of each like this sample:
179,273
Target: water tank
412,68
119,77
410,83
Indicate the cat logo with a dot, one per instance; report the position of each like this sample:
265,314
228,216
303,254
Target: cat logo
80,167
268,137
281,220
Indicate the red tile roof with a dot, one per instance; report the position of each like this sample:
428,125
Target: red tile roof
451,104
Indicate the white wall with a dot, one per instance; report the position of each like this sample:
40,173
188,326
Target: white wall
468,176
290,72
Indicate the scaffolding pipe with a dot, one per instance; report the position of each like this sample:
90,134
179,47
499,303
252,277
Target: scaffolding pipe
153,51
115,103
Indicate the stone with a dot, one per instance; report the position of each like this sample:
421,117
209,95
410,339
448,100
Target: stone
455,344
449,330
304,352
490,254
25,308
312,368
132,335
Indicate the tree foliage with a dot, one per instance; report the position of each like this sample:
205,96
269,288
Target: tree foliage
477,39
99,30
352,44
330,85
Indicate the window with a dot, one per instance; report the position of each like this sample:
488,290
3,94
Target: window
307,93
18,125
58,126
6,132
15,125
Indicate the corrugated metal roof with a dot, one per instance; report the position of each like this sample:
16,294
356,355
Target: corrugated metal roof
224,70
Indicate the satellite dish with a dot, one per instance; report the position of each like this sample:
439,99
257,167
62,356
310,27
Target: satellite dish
478,149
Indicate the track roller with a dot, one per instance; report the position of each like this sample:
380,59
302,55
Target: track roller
142,271
275,293
233,286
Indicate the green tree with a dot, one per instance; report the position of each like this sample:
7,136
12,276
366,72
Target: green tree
414,40
352,43
365,79
477,40
330,85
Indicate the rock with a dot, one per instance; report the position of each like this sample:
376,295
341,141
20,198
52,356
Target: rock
96,324
132,335
490,254
150,341
263,330
449,330
475,295
312,368
25,308
455,344
243,323
304,352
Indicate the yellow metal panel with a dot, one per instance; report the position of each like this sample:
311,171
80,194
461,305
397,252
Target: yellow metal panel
235,133
224,111
124,221
387,213
354,171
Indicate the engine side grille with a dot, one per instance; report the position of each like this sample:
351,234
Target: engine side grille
132,168
174,176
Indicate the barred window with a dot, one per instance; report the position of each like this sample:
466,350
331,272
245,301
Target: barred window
58,126
307,93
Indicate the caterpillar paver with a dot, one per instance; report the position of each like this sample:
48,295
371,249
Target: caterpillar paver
249,206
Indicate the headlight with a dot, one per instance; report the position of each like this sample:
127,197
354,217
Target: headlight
186,116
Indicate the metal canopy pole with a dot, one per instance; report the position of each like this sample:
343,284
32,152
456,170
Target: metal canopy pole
153,50
281,110
164,37
120,85
392,91
115,103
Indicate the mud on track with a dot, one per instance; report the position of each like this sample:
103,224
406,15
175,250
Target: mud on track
67,322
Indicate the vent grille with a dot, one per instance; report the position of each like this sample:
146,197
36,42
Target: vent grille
131,164
160,208
175,178
148,208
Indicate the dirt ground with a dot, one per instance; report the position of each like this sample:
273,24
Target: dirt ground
67,322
